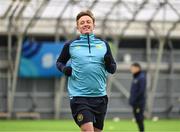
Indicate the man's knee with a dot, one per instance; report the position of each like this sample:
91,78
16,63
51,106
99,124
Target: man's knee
97,130
87,127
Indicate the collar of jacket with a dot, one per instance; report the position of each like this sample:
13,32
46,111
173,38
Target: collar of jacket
85,36
136,74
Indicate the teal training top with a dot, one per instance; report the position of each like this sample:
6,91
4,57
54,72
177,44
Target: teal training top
89,71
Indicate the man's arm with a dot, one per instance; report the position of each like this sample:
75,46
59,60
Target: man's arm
142,87
133,96
110,64
62,60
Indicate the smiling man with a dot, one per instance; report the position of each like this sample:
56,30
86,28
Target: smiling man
90,62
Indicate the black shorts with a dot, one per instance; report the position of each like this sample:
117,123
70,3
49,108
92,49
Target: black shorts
89,109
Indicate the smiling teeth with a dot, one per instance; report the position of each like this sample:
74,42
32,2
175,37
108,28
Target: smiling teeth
87,27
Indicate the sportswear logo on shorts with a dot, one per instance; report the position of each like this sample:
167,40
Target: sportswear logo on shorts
80,117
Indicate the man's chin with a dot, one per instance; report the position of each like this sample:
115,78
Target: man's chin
86,32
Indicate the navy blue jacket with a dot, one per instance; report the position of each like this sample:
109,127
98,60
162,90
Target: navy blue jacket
138,89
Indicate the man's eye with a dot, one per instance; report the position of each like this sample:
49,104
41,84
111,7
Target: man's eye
88,21
82,22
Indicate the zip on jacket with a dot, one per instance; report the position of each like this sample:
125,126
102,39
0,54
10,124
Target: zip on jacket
89,43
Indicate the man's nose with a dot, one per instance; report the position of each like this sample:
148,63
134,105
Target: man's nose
86,23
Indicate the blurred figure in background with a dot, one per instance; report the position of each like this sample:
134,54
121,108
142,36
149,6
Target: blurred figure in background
91,59
137,94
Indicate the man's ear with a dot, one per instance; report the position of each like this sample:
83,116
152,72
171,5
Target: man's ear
94,25
77,26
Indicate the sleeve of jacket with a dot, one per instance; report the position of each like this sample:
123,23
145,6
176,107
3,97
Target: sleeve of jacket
110,67
142,87
133,96
63,58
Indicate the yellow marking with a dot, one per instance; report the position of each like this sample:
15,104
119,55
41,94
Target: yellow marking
80,117
78,47
99,46
137,110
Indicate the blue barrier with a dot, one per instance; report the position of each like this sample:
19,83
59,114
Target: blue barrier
38,59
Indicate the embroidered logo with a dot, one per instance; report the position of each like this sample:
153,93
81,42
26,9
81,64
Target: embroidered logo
99,46
80,117
78,47
137,110
135,81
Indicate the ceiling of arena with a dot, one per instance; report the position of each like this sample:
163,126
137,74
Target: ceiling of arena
113,17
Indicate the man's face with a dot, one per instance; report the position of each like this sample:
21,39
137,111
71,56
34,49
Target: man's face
85,25
134,69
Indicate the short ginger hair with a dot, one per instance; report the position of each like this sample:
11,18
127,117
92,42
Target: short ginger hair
85,13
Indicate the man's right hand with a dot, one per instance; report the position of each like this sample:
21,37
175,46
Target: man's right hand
107,59
67,70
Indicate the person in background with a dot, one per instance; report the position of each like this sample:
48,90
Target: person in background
90,61
137,94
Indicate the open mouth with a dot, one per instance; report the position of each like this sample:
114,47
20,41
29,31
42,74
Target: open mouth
86,28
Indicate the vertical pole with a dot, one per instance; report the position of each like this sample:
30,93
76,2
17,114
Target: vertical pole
148,59
115,53
9,81
15,73
33,96
156,76
170,81
59,92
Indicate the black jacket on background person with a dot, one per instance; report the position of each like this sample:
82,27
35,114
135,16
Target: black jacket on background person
138,90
